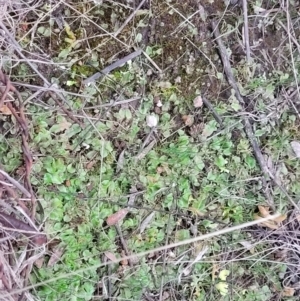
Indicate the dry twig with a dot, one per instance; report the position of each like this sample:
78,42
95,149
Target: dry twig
246,30
20,117
113,66
213,111
247,125
8,221
16,183
129,18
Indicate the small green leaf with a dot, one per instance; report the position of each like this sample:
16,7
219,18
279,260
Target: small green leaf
71,169
269,91
71,83
222,287
259,133
47,178
251,162
224,274
182,234
221,162
199,162
209,128
64,53
128,114
57,214
69,32
149,50
45,31
220,75
236,106
73,130
138,37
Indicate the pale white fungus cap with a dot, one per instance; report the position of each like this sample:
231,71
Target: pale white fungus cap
152,121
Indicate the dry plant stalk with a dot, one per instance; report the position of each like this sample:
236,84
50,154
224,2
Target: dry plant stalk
247,125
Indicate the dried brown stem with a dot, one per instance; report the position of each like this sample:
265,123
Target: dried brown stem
213,111
123,242
67,112
16,183
113,66
247,125
246,30
20,117
10,223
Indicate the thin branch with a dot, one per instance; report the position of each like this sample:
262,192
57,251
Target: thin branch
247,125
202,53
52,88
246,30
290,47
162,281
67,112
16,183
129,18
291,34
10,223
123,242
152,62
113,103
144,150
213,111
113,66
